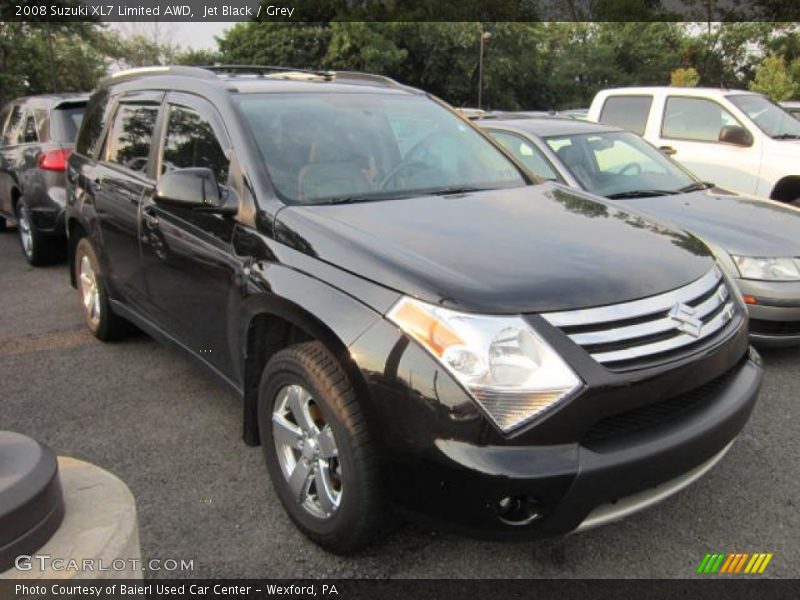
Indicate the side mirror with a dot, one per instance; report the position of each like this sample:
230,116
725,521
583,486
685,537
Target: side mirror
194,187
733,134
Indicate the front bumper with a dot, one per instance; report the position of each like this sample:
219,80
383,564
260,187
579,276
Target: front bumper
775,318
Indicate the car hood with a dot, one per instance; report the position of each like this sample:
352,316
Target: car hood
740,225
527,249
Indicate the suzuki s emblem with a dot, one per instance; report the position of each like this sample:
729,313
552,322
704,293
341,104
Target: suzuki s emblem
683,315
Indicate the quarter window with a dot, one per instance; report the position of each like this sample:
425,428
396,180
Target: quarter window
190,142
14,130
695,119
627,112
131,136
30,134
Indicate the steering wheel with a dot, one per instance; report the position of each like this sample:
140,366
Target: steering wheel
631,166
410,160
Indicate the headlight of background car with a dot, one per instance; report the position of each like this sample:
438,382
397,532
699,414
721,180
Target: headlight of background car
768,269
511,372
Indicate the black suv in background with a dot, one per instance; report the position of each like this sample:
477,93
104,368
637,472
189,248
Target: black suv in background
38,134
410,320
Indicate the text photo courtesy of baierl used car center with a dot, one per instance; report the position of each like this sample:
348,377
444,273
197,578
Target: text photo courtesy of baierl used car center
302,297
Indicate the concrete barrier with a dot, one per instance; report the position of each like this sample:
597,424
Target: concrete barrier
100,529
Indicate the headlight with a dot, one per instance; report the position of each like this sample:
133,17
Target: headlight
511,372
768,269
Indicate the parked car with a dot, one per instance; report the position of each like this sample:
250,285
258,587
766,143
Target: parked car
38,134
792,107
739,140
408,318
756,240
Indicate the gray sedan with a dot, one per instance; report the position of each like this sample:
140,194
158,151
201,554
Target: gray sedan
756,241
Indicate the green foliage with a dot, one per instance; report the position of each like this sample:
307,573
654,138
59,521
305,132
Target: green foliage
774,80
39,58
684,77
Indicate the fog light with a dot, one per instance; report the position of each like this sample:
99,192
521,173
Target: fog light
518,510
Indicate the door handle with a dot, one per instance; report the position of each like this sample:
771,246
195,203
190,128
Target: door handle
668,150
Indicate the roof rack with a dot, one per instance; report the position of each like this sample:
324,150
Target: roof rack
269,71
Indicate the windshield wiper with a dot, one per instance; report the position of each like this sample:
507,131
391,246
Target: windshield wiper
786,136
641,194
355,198
696,187
457,190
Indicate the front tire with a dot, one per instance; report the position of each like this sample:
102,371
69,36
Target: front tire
104,324
39,249
323,466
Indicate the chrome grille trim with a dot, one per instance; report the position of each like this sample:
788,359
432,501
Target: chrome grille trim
637,308
608,335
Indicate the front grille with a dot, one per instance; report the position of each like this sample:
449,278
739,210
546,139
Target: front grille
777,328
664,327
644,417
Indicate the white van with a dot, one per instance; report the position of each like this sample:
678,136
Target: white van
735,139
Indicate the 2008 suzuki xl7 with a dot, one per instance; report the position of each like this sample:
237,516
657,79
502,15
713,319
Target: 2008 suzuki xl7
414,324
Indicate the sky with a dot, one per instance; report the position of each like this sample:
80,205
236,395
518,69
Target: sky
188,35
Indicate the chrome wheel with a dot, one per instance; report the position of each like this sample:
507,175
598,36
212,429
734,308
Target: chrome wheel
89,291
25,233
307,451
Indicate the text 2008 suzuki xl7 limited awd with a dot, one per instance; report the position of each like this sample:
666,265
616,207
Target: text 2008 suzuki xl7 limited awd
414,324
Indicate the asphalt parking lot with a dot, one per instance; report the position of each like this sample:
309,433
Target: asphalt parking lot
174,436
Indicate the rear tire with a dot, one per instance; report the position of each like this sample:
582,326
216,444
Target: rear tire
323,465
37,248
104,324
2,225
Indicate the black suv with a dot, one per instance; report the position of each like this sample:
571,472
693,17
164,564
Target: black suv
415,326
38,134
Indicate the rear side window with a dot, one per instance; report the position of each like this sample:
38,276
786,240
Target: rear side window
131,136
65,121
30,134
627,112
190,142
695,119
92,123
14,132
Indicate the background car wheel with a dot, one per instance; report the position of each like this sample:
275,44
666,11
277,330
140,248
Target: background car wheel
102,322
38,249
2,224
317,449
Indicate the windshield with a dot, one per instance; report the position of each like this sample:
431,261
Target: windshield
769,117
65,123
324,147
619,163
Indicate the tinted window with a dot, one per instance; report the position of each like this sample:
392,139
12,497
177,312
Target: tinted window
526,153
66,121
323,147
30,133
618,162
131,135
695,119
93,123
191,142
627,112
14,132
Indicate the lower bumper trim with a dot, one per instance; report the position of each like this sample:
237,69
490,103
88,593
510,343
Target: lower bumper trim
607,513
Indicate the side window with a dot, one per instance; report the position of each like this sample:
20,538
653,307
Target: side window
190,142
628,112
43,122
131,136
30,134
694,119
526,153
93,124
14,130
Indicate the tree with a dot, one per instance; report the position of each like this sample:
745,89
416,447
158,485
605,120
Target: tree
773,79
684,77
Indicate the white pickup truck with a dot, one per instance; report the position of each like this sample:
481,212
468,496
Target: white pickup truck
735,139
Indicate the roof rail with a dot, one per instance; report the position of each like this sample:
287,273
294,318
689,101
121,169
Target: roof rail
357,75
160,70
265,70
